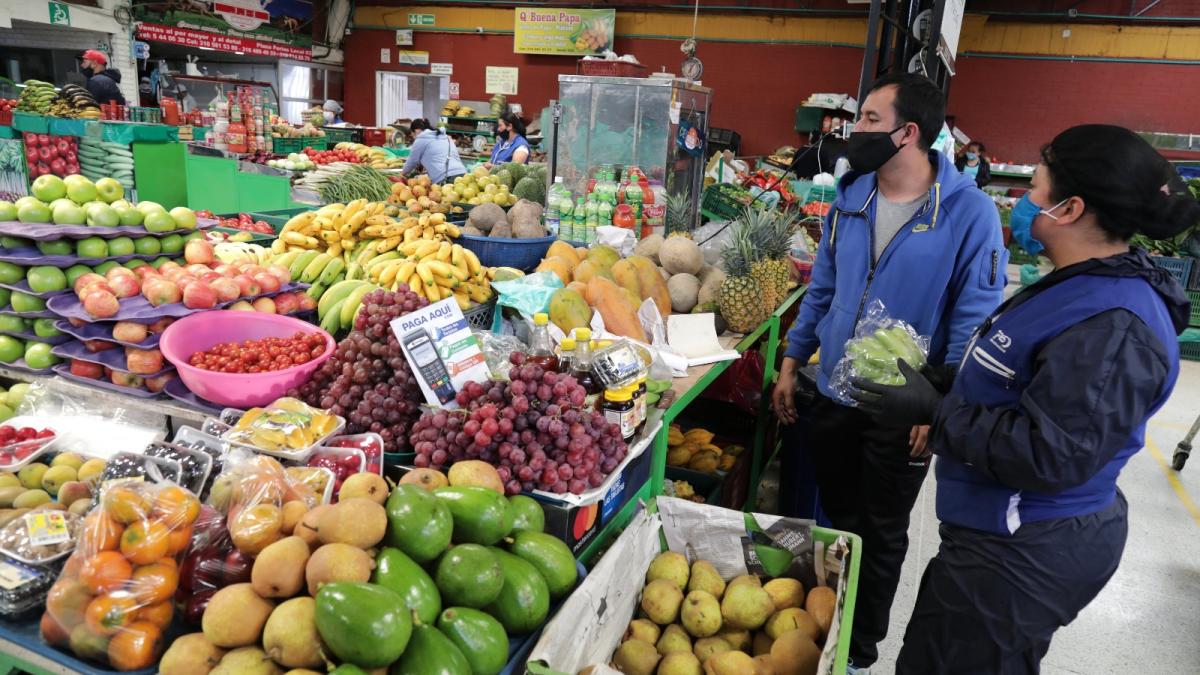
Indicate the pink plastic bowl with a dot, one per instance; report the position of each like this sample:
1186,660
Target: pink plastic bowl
200,332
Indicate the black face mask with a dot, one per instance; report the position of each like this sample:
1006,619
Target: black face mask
869,150
89,72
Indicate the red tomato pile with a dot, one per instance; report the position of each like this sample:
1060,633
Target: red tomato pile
51,154
6,108
261,356
330,156
242,222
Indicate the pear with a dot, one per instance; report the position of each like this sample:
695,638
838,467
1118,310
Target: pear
700,614
785,592
671,566
190,654
674,639
738,639
661,600
706,647
764,665
680,663
246,661
706,578
290,637
761,644
792,618
635,657
746,606
642,629
794,654
729,663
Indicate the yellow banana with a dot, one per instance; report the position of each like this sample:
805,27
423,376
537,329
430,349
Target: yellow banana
427,248
414,283
444,251
473,265
426,273
412,234
357,221
387,244
372,231
464,303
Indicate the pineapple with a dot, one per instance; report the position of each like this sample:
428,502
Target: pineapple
680,214
772,233
740,296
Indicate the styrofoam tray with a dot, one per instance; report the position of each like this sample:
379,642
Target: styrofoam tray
51,232
54,340
20,365
230,416
139,309
177,390
43,314
64,370
110,358
103,331
22,286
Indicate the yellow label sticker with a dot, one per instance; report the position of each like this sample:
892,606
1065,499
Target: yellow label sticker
47,527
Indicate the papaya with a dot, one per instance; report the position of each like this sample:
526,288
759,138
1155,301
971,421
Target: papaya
587,269
469,575
562,249
524,600
568,310
478,636
481,516
527,514
651,284
603,255
560,267
616,308
626,276
550,556
419,524
362,623
429,653
578,286
398,572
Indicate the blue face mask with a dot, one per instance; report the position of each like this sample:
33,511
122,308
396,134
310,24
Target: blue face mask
972,156
1024,212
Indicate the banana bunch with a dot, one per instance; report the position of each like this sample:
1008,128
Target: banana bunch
319,270
37,97
374,157
76,102
347,230
230,252
695,450
432,269
340,304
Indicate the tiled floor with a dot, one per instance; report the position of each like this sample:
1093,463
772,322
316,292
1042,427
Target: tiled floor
1147,620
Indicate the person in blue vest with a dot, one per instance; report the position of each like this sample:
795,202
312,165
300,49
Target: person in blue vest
1048,403
511,145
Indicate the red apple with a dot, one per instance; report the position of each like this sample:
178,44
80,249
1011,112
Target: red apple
143,270
264,305
287,303
94,346
126,379
199,295
307,302
251,269
161,292
198,270
282,273
78,323
161,325
86,280
246,284
209,276
87,369
168,266
156,384
184,281
143,361
128,331
95,286
241,306
119,271
268,282
125,286
101,304
226,270
198,251
226,289
173,275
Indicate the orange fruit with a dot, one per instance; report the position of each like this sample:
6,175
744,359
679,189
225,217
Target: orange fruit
177,507
100,533
105,571
154,583
53,632
136,647
178,539
73,565
158,614
125,505
145,542
108,614
67,601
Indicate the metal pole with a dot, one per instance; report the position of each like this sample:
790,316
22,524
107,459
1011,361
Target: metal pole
933,64
869,67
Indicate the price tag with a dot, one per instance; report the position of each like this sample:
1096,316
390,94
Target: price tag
14,576
47,528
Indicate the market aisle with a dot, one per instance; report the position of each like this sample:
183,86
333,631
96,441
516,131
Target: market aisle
1148,617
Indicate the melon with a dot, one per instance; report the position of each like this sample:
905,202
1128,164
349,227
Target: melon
680,255
685,291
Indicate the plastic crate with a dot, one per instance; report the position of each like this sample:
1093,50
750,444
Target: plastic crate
480,316
278,217
1180,268
375,137
724,201
1018,256
1189,344
334,135
1194,319
284,146
600,68
522,254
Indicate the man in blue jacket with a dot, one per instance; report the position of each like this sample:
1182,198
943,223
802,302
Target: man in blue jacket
908,230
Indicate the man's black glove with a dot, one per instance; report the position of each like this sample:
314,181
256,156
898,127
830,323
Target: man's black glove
910,404
941,377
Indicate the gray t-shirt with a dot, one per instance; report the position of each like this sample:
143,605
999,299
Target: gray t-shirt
890,217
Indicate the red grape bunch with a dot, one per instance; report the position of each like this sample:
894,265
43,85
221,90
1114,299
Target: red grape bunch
367,380
534,429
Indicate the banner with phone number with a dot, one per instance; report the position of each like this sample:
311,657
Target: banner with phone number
568,32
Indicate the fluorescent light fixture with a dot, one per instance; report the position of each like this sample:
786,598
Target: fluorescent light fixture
240,53
208,49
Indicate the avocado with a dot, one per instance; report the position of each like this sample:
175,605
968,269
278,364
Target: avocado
481,516
527,514
478,636
363,624
430,653
398,572
550,556
469,575
418,523
524,600
347,669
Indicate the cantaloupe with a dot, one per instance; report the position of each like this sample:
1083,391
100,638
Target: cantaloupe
680,255
649,247
684,290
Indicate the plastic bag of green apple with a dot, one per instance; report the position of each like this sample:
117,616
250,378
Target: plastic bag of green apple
879,342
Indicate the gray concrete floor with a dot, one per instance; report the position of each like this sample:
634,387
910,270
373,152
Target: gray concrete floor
1147,620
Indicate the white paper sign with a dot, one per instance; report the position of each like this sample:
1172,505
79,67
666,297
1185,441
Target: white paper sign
441,350
385,55
404,38
501,80
441,69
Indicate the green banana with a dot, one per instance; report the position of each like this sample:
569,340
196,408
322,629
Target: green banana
334,293
285,259
330,322
301,261
352,304
379,260
335,267
354,271
313,271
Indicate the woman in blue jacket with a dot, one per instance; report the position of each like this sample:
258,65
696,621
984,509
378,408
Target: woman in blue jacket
1050,400
511,145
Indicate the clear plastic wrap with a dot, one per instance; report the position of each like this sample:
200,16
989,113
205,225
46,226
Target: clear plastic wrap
23,587
115,596
89,421
496,349
40,536
288,428
879,340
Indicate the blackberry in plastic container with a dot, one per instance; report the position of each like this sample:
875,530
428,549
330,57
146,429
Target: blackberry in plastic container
24,593
217,464
193,467
133,465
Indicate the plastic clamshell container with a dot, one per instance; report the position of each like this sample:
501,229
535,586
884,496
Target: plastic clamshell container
230,416
42,445
28,593
339,453
356,441
154,469
237,390
205,459
51,558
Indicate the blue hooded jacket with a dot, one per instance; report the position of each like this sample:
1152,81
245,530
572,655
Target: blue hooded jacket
943,273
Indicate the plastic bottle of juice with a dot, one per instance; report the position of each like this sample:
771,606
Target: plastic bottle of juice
566,219
591,214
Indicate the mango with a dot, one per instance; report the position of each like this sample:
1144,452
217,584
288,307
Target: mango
398,572
364,624
568,310
419,523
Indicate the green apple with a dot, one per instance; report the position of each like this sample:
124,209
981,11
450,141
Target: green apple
104,267
129,215
120,203
120,246
195,234
33,212
158,221
5,413
75,178
59,202
16,394
75,271
59,247
11,324
8,211
11,349
10,273
92,247
109,189
68,214
45,328
5,297
158,262
135,263
102,215
184,217
12,243
48,187
38,356
147,207
24,302
44,278
172,243
82,191
147,246
26,200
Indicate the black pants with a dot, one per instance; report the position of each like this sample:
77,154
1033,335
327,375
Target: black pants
989,604
868,485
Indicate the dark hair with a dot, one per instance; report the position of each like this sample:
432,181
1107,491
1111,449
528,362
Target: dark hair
981,146
515,122
419,124
1124,181
918,100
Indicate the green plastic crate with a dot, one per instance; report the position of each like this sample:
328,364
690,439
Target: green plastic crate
335,136
1018,256
284,146
1194,319
1189,344
277,218
724,201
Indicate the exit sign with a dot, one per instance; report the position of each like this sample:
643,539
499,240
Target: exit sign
60,14
420,19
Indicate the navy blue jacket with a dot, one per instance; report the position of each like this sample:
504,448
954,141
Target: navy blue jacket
1053,395
104,86
942,273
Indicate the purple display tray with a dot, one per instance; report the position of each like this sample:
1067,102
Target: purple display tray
52,232
138,308
32,256
110,358
44,314
23,287
64,370
177,390
103,331
55,340
20,365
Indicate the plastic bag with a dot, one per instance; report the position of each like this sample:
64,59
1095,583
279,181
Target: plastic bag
878,342
286,427
529,294
115,596
496,349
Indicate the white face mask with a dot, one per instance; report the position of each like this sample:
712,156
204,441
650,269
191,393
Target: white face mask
328,117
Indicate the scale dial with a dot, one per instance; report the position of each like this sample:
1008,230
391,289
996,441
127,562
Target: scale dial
692,68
